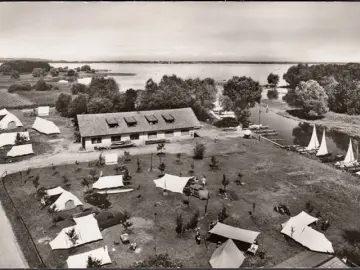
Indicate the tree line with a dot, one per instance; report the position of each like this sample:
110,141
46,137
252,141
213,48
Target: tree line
318,89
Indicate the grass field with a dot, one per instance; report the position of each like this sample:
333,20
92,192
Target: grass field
12,100
271,176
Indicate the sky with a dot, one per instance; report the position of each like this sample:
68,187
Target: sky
181,31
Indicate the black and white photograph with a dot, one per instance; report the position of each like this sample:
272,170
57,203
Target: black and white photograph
179,134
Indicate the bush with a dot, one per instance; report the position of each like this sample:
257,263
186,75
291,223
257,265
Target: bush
179,225
158,261
20,139
71,73
199,150
41,85
223,214
193,223
15,74
226,122
5,69
54,72
62,103
19,87
85,68
77,88
25,66
38,72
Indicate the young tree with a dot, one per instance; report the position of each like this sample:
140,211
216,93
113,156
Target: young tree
73,236
127,156
272,94
161,148
86,183
310,96
93,173
162,168
192,167
193,223
179,224
100,105
85,68
273,79
199,150
20,139
214,162
38,72
93,263
54,72
178,156
223,214
225,182
78,106
36,182
77,88
71,73
62,104
138,163
15,74
41,85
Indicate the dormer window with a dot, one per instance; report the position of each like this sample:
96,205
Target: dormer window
152,120
112,123
168,118
130,121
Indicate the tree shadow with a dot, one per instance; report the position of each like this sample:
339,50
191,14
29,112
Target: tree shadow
351,236
302,115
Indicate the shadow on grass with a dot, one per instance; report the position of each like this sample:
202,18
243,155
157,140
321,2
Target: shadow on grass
351,236
302,115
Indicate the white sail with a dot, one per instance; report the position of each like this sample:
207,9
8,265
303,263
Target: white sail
350,154
323,147
314,143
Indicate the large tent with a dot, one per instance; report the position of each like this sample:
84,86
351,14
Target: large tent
172,182
43,111
86,229
20,150
8,120
10,138
106,182
234,233
80,260
227,256
111,159
66,201
45,126
297,228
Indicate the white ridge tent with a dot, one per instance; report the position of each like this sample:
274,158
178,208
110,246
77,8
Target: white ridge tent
8,120
20,150
80,260
111,159
55,191
86,228
227,256
10,138
297,228
234,233
66,201
314,143
63,81
172,182
45,126
112,181
323,147
43,111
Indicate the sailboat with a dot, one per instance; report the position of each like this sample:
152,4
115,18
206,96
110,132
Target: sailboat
349,158
314,142
323,151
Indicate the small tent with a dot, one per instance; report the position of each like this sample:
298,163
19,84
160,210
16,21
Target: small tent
20,150
227,256
63,81
66,201
10,138
80,260
85,81
43,111
107,182
86,228
111,159
45,126
55,191
234,233
8,120
297,228
172,183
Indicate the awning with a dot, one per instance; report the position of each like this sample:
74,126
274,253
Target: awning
55,191
80,260
112,181
172,182
234,233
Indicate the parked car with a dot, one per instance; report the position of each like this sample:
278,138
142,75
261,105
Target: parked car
107,219
122,144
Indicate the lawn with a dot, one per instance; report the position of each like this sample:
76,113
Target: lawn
271,176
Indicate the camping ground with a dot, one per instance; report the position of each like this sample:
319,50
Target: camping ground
271,176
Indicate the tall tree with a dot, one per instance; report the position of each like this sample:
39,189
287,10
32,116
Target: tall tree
99,105
103,88
273,79
226,103
78,106
62,103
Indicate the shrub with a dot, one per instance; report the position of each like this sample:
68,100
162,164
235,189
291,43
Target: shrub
93,263
214,162
223,214
19,87
38,72
226,122
15,74
199,150
179,225
225,181
193,223
77,88
85,68
5,69
41,85
62,103
71,73
20,139
54,72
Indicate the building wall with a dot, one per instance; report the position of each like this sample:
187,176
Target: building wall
106,140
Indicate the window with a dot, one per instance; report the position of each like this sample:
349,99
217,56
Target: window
151,119
112,122
152,135
185,132
169,133
116,138
134,136
130,121
96,140
168,118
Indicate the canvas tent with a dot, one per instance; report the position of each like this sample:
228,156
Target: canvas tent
63,81
106,182
66,201
43,111
10,138
234,233
172,182
55,191
227,256
20,150
111,159
80,260
86,229
8,120
45,126
297,228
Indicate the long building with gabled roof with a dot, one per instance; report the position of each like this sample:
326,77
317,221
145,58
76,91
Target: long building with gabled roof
137,126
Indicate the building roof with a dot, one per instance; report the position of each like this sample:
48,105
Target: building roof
309,259
91,125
